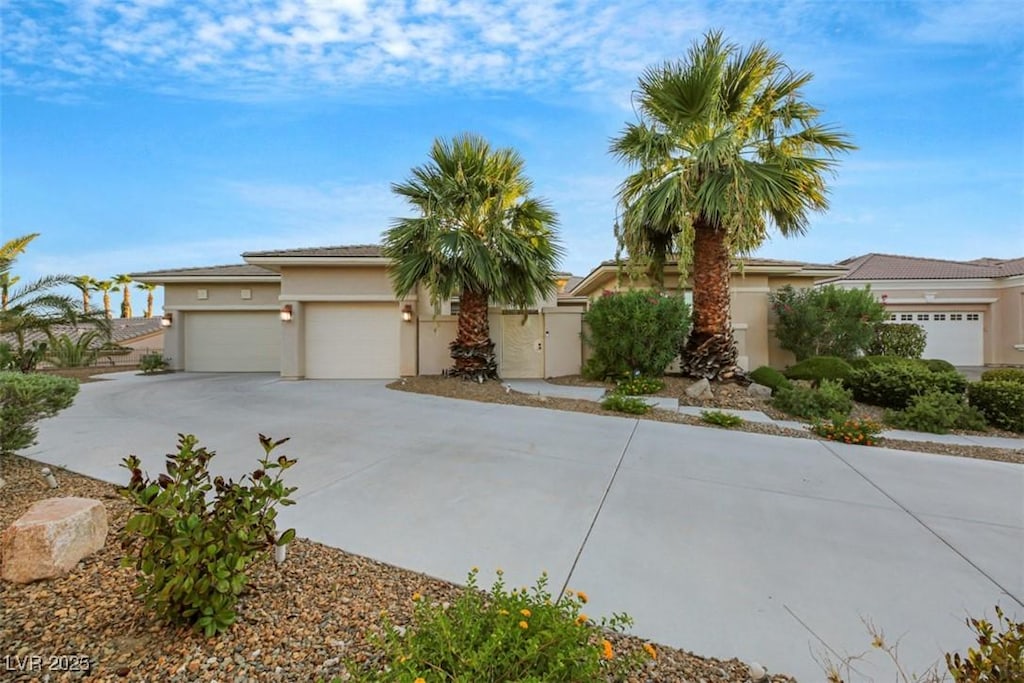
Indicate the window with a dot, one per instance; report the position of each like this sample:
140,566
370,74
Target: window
892,316
940,316
922,316
956,316
455,305
973,316
906,316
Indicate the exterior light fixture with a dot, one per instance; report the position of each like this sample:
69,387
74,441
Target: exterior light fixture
885,297
167,320
407,313
286,313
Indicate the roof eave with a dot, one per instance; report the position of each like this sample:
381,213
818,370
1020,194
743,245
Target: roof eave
157,279
276,262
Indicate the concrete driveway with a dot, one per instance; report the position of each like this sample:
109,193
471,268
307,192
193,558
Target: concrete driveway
725,544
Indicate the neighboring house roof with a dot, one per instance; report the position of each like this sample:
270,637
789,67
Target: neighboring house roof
233,271
123,330
894,267
366,250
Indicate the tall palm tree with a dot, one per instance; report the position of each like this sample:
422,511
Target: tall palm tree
105,286
725,146
125,282
148,288
85,285
7,281
478,235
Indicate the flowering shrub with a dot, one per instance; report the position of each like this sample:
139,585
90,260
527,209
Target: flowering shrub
515,635
825,321
852,431
639,386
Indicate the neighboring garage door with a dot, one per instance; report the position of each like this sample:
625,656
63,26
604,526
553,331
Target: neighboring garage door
955,336
352,340
232,341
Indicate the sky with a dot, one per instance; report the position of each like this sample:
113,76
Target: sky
148,134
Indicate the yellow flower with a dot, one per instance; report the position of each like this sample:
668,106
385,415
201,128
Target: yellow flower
582,596
403,659
526,613
649,649
608,652
523,625
582,618
421,679
503,612
416,597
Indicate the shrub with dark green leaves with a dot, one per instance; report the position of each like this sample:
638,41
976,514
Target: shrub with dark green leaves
893,385
639,386
634,331
193,550
825,321
904,340
999,657
1000,401
625,404
151,363
721,419
818,368
937,413
939,365
830,398
27,398
769,377
1003,375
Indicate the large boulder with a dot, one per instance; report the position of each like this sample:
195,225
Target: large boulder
701,389
759,391
50,539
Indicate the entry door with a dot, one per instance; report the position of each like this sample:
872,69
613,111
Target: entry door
563,343
522,346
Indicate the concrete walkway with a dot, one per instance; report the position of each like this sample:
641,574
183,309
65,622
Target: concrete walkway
543,388
723,543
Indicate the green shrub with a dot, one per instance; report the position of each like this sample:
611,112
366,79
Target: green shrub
65,352
721,419
194,550
625,404
24,400
634,331
515,635
1003,375
1001,402
904,340
639,386
818,368
825,321
892,385
852,431
939,365
769,377
937,413
828,399
867,361
152,362
999,657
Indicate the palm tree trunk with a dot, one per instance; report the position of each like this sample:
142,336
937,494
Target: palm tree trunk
85,301
473,350
106,304
149,304
126,303
710,350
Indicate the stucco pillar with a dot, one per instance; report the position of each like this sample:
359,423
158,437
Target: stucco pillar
293,343
174,339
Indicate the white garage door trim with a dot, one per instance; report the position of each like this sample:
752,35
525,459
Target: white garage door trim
352,340
954,336
232,341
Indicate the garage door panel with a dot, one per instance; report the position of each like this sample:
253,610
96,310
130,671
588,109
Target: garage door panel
954,336
352,340
235,341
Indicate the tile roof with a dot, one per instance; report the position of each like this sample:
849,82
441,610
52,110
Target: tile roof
753,261
894,267
122,330
233,270
367,250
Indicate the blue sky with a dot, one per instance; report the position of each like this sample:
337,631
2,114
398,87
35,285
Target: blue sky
142,134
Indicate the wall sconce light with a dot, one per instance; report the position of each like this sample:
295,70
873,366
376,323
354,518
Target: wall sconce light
407,313
167,320
286,313
885,297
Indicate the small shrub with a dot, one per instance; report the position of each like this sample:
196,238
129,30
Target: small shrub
825,321
1003,375
515,635
721,419
903,340
769,377
193,552
65,352
152,362
828,399
999,657
634,331
1001,402
639,386
851,431
818,368
939,365
892,385
625,404
937,413
24,400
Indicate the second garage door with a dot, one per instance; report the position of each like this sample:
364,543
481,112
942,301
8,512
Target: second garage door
954,336
352,340
232,341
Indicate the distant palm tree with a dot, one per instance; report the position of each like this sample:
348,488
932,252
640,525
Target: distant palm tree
85,285
6,282
125,282
105,286
148,288
478,235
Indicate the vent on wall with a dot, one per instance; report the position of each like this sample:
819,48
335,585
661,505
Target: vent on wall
202,294
246,294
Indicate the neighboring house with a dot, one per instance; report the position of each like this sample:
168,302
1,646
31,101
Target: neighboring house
972,311
141,334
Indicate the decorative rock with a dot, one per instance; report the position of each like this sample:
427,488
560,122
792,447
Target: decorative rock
757,672
50,539
759,391
700,389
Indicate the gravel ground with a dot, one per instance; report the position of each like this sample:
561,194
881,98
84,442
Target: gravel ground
297,622
726,396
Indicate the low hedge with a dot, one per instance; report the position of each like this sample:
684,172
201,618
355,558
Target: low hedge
893,385
1000,401
939,365
1003,375
819,368
825,402
936,413
769,377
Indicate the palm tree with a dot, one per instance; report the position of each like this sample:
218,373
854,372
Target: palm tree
725,146
85,285
105,286
148,288
478,235
7,281
125,282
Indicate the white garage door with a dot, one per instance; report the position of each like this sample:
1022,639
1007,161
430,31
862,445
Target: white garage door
955,336
352,340
235,341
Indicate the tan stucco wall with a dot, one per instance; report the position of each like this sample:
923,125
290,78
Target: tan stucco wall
297,282
221,294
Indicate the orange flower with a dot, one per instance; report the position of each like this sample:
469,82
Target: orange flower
608,653
649,649
523,625
582,596
416,597
582,619
526,613
421,679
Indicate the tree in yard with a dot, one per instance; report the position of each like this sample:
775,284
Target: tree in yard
479,235
148,288
7,282
725,147
124,281
85,285
105,286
